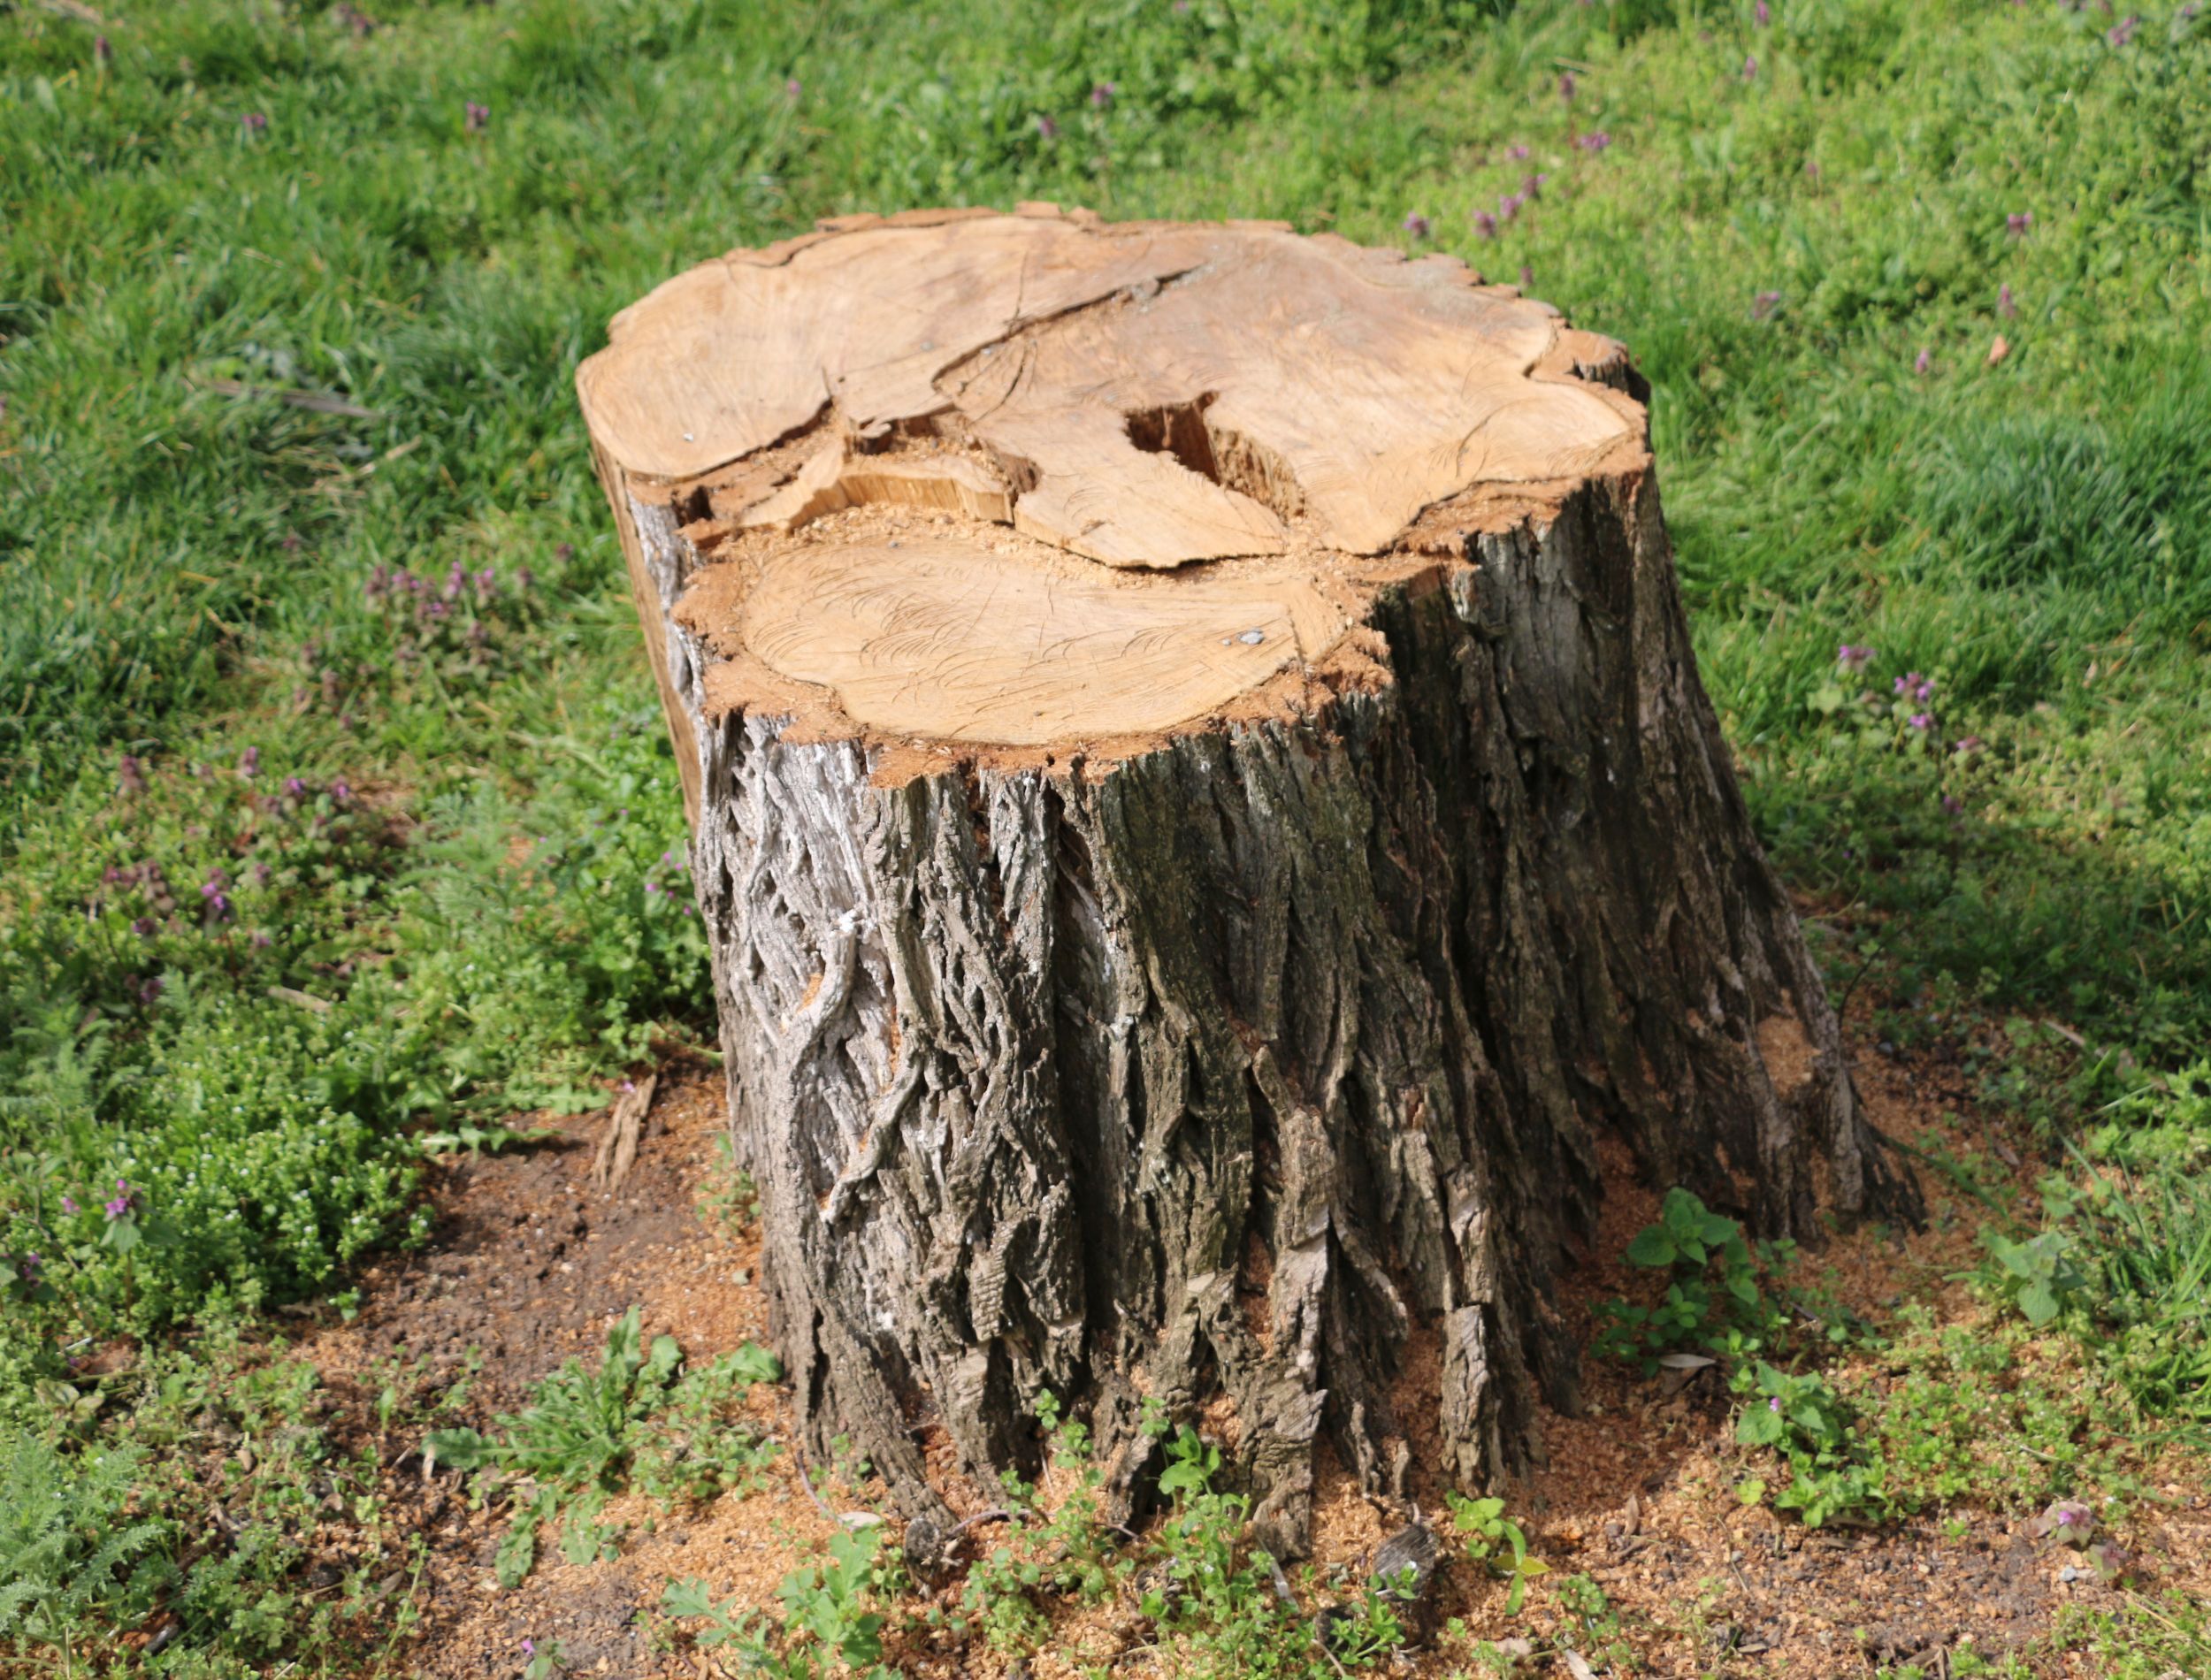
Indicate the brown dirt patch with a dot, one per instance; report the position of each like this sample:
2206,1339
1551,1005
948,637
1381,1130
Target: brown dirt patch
529,1265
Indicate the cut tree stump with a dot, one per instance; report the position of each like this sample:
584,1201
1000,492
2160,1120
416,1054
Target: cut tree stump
1205,813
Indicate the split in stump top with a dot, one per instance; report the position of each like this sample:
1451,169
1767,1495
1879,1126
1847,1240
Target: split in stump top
1035,485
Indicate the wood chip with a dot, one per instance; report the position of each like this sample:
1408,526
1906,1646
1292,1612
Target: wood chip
618,1147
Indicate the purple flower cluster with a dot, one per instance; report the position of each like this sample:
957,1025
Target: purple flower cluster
120,1206
1101,95
2123,32
1915,686
1853,658
253,122
213,893
1764,304
2019,224
475,118
1596,142
1416,225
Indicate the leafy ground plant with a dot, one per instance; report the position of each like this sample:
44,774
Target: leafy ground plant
640,1420
1723,1292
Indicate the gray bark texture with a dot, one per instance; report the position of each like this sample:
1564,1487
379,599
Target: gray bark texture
1268,1065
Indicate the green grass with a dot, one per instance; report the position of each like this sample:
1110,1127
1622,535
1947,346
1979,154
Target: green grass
470,874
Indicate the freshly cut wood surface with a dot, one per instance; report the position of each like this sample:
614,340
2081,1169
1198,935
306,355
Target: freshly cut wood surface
1145,398
1371,387
953,642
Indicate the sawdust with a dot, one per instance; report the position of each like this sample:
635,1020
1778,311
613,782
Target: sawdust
529,1265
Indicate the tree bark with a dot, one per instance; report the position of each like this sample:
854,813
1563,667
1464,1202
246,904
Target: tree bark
1260,1056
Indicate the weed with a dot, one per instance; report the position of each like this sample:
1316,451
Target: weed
1718,1288
1488,1535
832,1616
640,1420
729,1200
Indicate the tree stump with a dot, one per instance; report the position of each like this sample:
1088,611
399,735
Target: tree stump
1204,813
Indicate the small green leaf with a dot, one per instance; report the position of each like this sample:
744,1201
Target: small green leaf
461,1449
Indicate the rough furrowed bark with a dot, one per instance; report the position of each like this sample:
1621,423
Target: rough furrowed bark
1259,1068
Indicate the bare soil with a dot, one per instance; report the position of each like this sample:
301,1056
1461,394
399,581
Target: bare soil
530,1265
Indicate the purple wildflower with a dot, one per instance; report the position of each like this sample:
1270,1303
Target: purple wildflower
1532,185
2005,307
1527,277
130,775
793,88
1415,225
1924,363
1485,224
69,1204
1763,13
1101,95
102,51
1966,746
1566,85
2123,32
1774,1404
2019,223
294,788
1917,687
1517,153
249,764
1750,68
1921,722
1853,657
143,926
341,792
120,1207
1596,142
1952,804
1764,304
1046,129
253,122
475,118
529,1647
